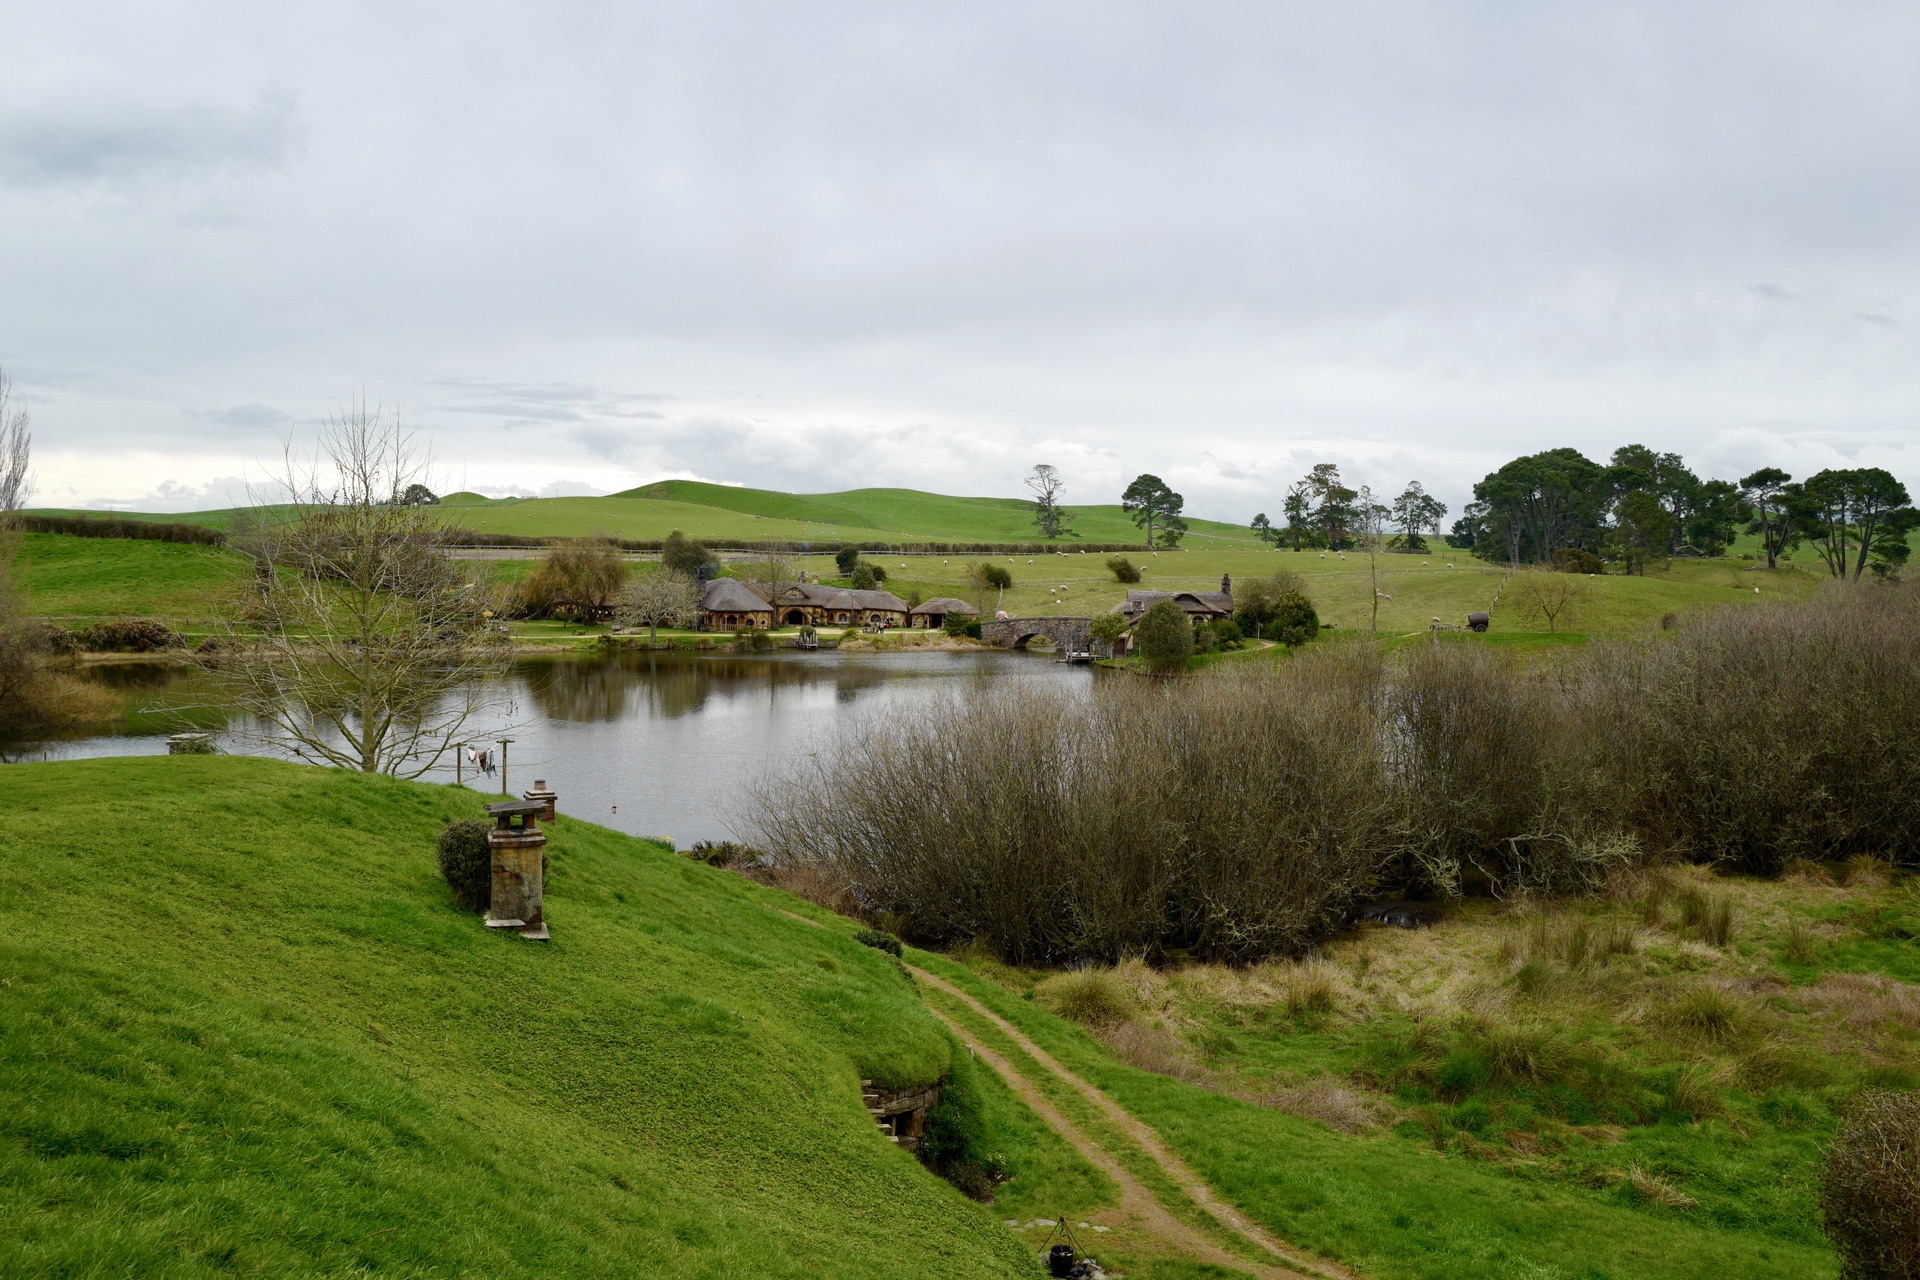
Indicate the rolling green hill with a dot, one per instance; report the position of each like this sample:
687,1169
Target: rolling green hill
244,1030
720,512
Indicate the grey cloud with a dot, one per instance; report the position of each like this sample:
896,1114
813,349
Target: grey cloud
242,415
1214,243
127,143
1874,317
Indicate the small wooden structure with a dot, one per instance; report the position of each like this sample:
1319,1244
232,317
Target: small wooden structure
519,849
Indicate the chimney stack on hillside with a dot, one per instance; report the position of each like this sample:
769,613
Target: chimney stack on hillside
546,797
519,850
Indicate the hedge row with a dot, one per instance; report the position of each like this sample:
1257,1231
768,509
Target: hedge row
120,527
474,538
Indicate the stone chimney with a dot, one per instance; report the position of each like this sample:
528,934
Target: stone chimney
546,797
519,848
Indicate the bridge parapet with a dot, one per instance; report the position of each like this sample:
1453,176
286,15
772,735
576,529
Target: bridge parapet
1075,635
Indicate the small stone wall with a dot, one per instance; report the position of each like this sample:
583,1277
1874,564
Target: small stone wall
901,1113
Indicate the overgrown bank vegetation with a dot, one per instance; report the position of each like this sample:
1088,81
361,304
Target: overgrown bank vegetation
1243,814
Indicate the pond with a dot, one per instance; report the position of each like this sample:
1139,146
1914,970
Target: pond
649,743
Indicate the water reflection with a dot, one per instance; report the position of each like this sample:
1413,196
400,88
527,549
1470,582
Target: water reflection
673,741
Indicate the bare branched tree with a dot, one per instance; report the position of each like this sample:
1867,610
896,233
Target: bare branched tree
16,441
1553,598
773,568
360,644
661,599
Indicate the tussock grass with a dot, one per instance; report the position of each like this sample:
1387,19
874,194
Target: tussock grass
1656,1190
1334,1103
1708,1012
1090,995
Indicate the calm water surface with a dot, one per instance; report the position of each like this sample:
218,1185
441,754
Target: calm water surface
672,740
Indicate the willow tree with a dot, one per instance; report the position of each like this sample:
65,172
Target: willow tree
359,643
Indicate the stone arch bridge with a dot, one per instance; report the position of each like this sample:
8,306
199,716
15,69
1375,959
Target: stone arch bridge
1074,635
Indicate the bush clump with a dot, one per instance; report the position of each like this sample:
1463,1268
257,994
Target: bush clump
1123,569
1295,621
723,853
1164,638
129,635
879,941
1577,560
467,863
1870,1188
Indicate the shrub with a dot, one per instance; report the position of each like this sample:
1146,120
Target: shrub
467,863
973,629
1237,817
1574,560
862,578
1109,627
1228,632
1164,638
878,941
1123,569
1205,639
1294,620
997,576
50,639
722,853
956,624
1870,1188
845,558
129,635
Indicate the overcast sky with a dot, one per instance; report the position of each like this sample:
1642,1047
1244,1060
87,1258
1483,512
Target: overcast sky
818,246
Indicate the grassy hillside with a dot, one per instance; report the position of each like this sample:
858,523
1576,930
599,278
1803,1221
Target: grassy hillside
1415,589
81,578
1663,1122
244,1030
727,512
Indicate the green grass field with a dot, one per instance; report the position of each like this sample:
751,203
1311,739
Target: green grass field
245,1031
76,579
1415,589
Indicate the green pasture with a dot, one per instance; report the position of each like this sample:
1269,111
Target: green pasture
244,1030
1414,589
79,579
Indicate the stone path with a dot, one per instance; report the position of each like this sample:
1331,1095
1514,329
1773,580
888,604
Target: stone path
1136,1200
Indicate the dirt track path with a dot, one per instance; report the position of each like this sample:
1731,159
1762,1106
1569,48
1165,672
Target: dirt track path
1135,1199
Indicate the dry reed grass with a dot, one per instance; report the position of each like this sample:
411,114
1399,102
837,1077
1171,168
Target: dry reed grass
1655,1190
1867,1001
1333,1103
1152,1047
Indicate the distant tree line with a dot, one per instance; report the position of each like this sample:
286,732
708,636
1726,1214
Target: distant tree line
1559,506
